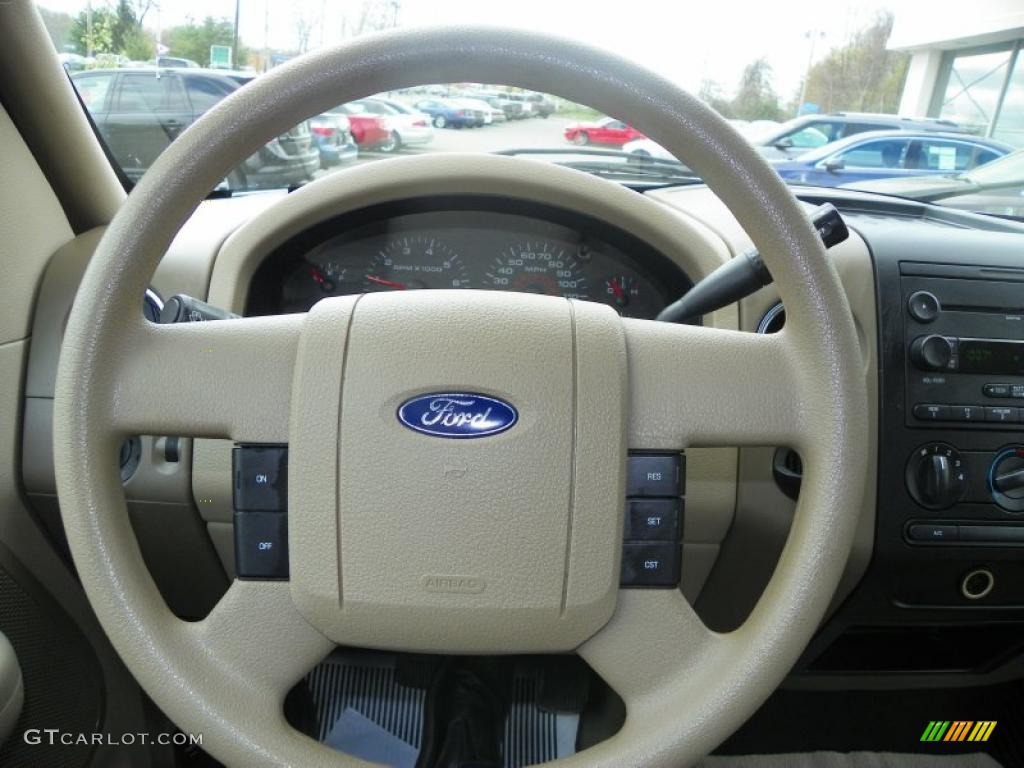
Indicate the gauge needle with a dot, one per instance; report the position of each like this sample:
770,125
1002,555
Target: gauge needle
386,283
616,289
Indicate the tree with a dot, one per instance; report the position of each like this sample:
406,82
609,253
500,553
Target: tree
756,98
103,30
711,94
861,76
193,41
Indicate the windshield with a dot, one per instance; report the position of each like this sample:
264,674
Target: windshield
145,70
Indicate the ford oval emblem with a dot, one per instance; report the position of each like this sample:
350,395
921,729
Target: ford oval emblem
457,414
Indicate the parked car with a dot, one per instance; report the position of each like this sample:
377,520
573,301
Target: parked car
332,134
481,110
886,154
173,61
607,130
408,126
512,109
812,131
446,113
643,148
542,105
995,188
370,131
140,111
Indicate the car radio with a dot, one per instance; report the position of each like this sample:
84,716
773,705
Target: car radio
965,351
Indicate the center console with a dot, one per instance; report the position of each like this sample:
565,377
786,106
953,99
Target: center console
947,568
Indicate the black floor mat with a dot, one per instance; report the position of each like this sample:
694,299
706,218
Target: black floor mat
892,721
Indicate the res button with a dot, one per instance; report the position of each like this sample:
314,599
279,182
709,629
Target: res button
654,475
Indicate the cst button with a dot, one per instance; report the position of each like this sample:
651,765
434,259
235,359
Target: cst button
996,390
650,565
654,475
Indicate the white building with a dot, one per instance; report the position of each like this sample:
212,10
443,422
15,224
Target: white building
967,63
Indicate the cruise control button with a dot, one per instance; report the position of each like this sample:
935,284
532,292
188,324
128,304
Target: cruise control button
261,478
996,390
653,519
1002,414
924,532
650,565
654,475
929,412
261,545
967,413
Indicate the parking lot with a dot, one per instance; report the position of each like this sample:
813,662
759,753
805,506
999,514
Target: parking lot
532,133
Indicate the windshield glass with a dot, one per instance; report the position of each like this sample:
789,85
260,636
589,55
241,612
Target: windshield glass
146,70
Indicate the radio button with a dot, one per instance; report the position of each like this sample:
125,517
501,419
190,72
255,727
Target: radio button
923,306
1017,390
929,412
996,390
967,413
1002,415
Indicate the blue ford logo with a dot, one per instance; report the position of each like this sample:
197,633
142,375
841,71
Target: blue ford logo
457,414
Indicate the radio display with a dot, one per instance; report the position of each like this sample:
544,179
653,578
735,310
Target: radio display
991,356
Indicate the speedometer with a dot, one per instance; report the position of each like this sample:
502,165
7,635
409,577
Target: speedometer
538,267
415,261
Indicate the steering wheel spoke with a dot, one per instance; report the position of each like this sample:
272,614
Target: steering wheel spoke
694,386
224,378
256,622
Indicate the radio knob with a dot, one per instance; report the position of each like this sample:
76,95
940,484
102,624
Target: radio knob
932,352
923,306
936,476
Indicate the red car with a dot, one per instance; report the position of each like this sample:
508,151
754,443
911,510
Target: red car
369,131
608,130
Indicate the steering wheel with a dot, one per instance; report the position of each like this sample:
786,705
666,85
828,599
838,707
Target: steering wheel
533,518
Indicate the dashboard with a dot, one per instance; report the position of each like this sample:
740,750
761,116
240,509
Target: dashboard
467,243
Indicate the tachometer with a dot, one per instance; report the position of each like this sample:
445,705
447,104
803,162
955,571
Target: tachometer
538,267
415,261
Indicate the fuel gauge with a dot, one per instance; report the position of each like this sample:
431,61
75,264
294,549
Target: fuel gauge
621,290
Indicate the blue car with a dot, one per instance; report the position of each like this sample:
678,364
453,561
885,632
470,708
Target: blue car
890,154
445,113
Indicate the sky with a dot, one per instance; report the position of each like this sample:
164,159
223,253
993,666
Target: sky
685,41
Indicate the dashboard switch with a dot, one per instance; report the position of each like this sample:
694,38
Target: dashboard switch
261,545
650,565
653,519
933,532
261,478
654,475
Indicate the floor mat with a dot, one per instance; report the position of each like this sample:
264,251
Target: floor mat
368,685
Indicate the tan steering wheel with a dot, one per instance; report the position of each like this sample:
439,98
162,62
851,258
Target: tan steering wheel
535,518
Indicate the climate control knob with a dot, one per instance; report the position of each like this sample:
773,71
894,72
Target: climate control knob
1006,479
931,352
936,476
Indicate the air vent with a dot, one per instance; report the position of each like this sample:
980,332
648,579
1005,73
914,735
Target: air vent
773,321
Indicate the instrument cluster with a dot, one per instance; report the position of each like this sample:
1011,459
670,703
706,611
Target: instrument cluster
540,250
